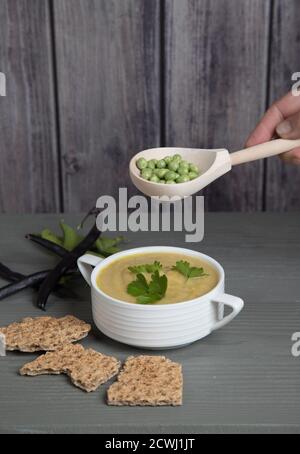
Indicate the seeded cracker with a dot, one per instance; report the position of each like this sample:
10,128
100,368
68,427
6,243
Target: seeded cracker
87,369
147,380
44,333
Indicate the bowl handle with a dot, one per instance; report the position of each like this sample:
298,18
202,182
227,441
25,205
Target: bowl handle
234,302
86,263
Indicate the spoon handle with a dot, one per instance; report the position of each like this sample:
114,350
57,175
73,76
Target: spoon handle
264,150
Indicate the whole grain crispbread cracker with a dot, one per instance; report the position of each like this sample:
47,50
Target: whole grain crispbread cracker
44,333
88,369
147,381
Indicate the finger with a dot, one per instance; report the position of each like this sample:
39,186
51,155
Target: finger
290,128
265,129
292,157
276,114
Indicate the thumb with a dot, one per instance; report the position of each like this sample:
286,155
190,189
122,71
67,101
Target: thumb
290,128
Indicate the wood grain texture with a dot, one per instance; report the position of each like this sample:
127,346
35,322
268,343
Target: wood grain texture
29,164
216,66
241,379
109,67
282,180
109,97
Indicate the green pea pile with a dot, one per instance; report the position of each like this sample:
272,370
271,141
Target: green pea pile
169,170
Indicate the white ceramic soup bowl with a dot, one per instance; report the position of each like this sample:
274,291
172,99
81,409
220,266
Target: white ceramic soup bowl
158,326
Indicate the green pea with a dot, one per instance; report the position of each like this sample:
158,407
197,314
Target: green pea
183,179
170,182
151,164
141,163
146,174
184,163
194,168
177,157
167,159
170,175
193,175
173,165
161,172
161,164
154,179
183,170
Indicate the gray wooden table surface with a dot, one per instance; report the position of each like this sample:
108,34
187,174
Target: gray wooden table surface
242,378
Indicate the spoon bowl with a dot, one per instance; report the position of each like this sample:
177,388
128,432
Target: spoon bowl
211,163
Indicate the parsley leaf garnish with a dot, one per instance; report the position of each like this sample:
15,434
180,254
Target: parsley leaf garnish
138,287
187,270
148,293
148,268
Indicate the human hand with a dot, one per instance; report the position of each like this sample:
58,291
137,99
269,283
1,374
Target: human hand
282,119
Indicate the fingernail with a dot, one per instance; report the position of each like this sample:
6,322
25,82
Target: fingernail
284,128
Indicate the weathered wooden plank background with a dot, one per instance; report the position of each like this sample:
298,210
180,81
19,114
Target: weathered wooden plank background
216,53
283,182
29,175
108,92
91,82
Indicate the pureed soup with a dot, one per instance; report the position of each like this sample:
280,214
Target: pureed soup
115,277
